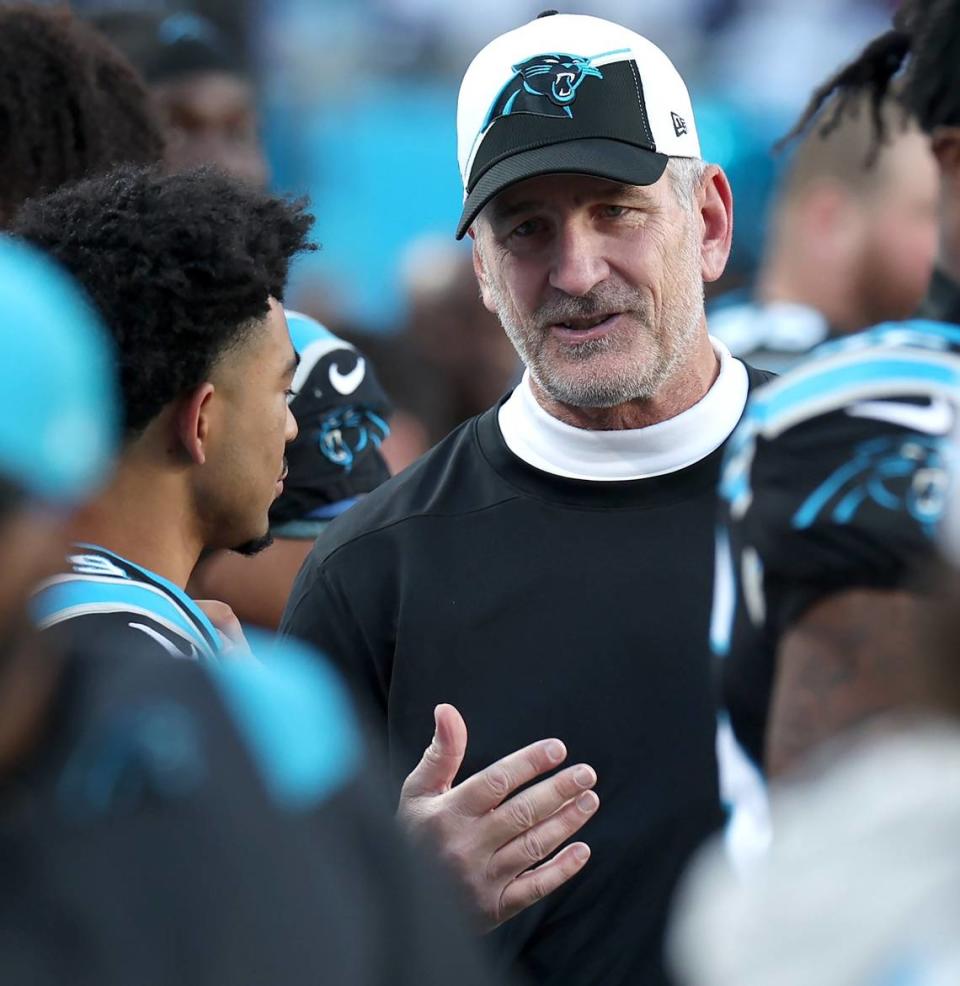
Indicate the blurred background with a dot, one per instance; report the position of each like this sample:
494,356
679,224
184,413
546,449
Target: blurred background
354,103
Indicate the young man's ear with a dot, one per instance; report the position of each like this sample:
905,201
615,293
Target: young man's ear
193,423
716,215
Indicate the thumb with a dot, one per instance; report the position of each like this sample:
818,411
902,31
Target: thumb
442,758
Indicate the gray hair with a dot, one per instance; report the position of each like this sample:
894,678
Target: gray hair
686,173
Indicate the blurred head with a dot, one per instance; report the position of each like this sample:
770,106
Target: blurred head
922,51
865,237
58,424
595,222
201,90
70,106
188,272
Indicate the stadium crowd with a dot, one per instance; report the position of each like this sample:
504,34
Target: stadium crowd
607,656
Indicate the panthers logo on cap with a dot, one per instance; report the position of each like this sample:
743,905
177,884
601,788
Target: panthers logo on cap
545,85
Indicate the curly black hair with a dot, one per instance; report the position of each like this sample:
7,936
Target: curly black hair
71,106
181,267
925,42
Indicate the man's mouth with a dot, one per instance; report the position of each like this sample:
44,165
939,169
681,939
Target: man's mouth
585,328
583,324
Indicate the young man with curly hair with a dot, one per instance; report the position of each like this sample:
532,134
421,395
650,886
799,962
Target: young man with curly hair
188,271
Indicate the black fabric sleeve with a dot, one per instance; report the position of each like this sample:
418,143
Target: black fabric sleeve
337,622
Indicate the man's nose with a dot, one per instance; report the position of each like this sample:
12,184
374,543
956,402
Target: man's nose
579,263
291,430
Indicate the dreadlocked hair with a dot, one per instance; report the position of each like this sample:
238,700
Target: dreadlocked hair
931,84
868,78
926,39
71,106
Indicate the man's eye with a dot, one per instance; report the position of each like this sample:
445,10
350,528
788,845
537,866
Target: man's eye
291,393
528,228
614,211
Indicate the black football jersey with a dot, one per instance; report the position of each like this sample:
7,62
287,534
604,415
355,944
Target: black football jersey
835,479
101,594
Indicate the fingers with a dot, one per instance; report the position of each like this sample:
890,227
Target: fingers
534,844
442,758
228,626
482,792
541,801
536,884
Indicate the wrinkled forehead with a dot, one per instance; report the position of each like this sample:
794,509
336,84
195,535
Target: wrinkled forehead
547,191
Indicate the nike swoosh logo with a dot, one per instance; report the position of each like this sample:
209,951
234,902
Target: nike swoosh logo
935,419
347,383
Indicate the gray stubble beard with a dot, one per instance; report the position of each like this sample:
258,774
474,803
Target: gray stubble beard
639,378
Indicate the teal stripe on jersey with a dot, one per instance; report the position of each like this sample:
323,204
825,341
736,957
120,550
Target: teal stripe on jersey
854,377
174,590
918,332
77,595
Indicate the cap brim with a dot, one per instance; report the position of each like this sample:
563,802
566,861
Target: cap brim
597,157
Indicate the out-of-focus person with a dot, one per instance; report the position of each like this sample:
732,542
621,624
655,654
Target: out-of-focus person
828,585
835,481
342,415
150,810
848,245
861,881
71,106
201,88
188,272
454,338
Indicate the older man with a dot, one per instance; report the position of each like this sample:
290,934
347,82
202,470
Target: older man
548,567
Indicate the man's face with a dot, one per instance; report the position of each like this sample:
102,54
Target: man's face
900,231
597,284
211,118
250,426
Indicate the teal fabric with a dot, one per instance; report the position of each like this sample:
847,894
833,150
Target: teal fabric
58,392
294,713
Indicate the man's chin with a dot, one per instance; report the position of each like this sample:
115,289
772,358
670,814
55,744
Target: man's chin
254,546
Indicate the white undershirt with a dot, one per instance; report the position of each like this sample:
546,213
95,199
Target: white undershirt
611,456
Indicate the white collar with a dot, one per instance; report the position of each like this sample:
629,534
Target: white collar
637,453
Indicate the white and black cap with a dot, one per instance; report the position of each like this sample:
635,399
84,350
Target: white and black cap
569,94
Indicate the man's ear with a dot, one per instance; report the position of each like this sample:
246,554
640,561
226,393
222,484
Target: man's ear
479,268
193,422
715,199
945,144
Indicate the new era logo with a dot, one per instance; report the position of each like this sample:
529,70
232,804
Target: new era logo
679,124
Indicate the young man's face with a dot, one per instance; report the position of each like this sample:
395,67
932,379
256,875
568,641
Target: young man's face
250,427
597,284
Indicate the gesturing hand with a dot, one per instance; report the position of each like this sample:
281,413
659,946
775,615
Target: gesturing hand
233,643
489,839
